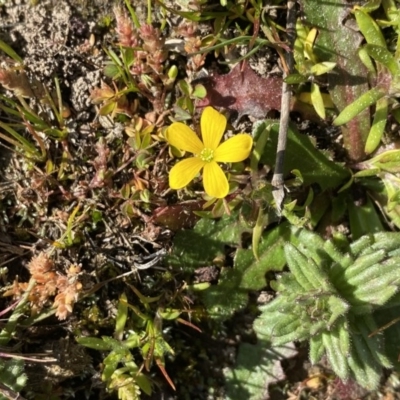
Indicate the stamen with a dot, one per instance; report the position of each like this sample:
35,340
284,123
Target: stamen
206,155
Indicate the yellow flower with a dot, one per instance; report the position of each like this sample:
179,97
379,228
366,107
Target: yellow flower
207,153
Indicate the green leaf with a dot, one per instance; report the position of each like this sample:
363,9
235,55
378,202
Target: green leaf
169,314
317,101
200,246
338,308
144,383
121,318
371,5
93,343
12,374
363,365
369,28
378,126
388,161
336,357
294,79
185,88
322,68
10,52
317,348
384,56
388,319
199,91
377,270
340,46
364,101
380,292
298,266
363,264
270,257
260,132
363,218
280,327
367,61
227,297
301,154
366,325
112,71
257,367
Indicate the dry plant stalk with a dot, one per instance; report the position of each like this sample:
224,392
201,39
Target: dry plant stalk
49,283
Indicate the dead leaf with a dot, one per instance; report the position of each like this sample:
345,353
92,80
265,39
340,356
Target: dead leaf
243,91
178,216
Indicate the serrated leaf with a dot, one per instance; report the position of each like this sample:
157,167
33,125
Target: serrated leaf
361,244
337,307
377,271
298,266
344,337
288,323
373,297
363,263
271,326
363,365
317,349
336,358
366,325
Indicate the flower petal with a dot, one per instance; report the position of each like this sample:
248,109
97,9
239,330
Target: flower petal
183,138
184,172
213,126
235,149
214,181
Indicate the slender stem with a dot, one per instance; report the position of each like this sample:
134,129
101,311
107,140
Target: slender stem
277,180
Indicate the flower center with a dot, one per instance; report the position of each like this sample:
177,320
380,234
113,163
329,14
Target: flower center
206,155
